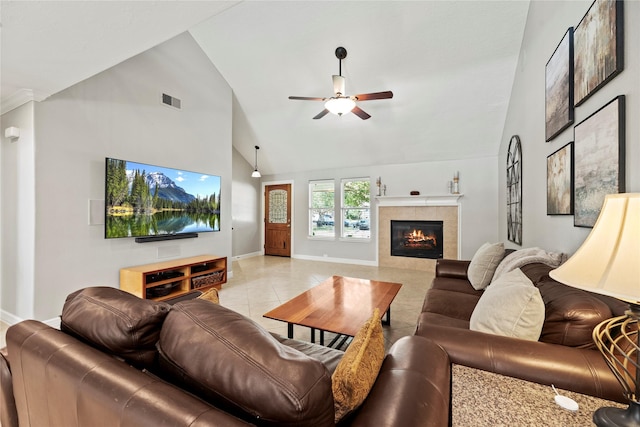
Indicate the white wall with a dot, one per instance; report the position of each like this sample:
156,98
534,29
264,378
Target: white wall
547,22
118,113
245,208
17,214
479,203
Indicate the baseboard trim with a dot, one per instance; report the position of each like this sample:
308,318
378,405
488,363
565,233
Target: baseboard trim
9,318
249,255
12,319
336,260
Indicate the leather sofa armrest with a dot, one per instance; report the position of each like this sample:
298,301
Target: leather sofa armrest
414,367
8,413
453,268
575,369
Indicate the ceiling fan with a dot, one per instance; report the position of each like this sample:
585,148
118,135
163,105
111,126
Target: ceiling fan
341,103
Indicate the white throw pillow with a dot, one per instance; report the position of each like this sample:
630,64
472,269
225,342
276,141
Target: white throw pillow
511,306
484,263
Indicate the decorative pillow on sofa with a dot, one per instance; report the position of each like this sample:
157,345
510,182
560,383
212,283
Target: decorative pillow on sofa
234,363
357,371
484,263
211,295
510,306
115,321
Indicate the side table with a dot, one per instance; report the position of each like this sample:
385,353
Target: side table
481,398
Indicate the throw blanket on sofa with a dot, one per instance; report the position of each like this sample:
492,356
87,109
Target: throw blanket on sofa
523,257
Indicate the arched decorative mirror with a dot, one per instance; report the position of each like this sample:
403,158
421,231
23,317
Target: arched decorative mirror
514,191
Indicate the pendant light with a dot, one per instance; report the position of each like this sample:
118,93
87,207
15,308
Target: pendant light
256,172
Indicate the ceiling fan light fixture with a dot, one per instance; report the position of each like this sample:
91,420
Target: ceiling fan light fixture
340,105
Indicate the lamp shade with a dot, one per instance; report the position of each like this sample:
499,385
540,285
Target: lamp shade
340,105
608,262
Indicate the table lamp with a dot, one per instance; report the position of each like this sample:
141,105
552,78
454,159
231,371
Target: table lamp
608,263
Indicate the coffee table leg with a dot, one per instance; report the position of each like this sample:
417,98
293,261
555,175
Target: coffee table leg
313,335
387,321
290,330
321,337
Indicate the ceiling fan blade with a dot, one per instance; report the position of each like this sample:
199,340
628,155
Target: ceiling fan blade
376,95
360,113
338,84
321,114
307,98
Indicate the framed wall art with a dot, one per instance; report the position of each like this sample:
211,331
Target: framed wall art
560,181
599,160
559,88
514,190
599,48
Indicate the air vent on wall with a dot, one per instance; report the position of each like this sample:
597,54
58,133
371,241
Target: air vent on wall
171,101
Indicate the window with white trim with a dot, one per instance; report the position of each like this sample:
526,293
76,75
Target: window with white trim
321,208
356,199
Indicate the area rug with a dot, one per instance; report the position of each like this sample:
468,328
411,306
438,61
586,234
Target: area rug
481,398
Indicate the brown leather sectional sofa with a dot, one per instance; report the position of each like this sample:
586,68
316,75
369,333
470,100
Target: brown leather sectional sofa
564,355
115,367
122,361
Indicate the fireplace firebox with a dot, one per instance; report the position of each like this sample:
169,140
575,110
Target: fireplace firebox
417,239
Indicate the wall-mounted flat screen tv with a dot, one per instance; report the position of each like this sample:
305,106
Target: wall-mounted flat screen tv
143,200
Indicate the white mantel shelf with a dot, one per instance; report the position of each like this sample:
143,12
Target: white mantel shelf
430,200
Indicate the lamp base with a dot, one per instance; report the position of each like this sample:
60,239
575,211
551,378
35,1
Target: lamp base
610,417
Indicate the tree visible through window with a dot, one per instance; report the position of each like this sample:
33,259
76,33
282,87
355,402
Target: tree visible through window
321,208
356,196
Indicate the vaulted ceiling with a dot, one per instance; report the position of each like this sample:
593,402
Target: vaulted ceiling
450,65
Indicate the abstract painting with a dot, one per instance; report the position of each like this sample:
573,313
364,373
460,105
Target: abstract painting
559,88
560,181
599,160
599,50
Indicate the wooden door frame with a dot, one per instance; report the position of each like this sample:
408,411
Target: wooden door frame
262,213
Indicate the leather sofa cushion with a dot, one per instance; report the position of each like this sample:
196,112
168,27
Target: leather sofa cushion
232,362
456,305
115,321
570,313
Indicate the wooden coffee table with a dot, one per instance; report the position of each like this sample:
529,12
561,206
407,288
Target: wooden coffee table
339,304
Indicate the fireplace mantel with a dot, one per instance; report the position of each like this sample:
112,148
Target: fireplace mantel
430,200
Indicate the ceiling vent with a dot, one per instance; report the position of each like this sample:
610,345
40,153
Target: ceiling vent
171,101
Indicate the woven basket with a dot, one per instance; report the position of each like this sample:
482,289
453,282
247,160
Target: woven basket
207,280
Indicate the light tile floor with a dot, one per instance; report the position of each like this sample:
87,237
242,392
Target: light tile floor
262,283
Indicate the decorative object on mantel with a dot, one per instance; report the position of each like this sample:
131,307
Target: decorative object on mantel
599,48
415,193
599,160
379,185
384,190
514,191
456,186
608,263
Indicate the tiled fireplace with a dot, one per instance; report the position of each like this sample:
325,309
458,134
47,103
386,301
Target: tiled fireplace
416,210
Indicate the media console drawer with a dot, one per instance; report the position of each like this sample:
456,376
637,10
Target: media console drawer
169,279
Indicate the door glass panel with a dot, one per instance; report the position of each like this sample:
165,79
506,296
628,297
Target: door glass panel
277,207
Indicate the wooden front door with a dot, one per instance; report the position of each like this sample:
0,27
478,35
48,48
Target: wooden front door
277,221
